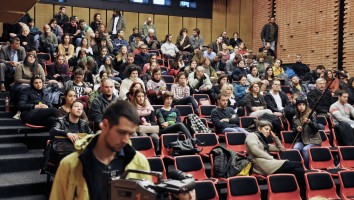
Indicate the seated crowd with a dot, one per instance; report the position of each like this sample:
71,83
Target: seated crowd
95,65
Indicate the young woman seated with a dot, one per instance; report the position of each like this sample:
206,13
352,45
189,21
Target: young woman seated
169,119
156,87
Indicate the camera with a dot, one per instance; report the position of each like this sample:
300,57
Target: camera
122,188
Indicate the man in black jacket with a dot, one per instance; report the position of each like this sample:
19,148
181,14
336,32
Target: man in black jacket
71,124
300,68
276,99
100,103
224,118
315,94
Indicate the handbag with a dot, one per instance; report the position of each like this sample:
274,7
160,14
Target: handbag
148,129
183,147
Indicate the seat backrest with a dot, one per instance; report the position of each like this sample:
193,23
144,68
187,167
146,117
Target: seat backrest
206,190
320,184
322,120
198,97
346,180
144,145
157,107
235,141
205,110
156,164
282,186
191,164
291,155
168,78
246,121
287,138
325,140
320,158
169,86
286,88
243,188
346,156
166,139
206,141
184,110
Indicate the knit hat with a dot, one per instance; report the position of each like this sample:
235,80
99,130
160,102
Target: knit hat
301,99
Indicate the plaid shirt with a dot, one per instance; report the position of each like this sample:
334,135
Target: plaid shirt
180,92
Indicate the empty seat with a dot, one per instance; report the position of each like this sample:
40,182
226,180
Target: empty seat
247,121
166,139
321,158
156,164
168,78
346,180
243,188
206,142
144,145
205,111
191,164
287,139
346,157
320,184
202,99
184,110
206,190
282,186
235,141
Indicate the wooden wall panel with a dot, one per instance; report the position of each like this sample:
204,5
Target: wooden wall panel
189,23
131,20
161,23
69,10
233,17
143,17
43,17
204,26
31,12
246,22
219,18
102,12
82,13
175,25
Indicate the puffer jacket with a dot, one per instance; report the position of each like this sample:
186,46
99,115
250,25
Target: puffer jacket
29,98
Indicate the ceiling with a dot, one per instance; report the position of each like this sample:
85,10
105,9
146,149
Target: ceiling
12,12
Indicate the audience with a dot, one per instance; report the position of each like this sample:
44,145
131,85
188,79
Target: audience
225,70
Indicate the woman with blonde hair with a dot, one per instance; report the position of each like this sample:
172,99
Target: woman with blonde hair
255,103
147,116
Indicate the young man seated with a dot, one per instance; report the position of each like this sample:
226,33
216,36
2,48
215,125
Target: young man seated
224,118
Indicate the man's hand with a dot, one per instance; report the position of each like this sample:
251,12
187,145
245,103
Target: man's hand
164,125
279,114
225,120
299,128
73,137
41,106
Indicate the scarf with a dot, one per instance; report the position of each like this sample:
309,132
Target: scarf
144,111
263,140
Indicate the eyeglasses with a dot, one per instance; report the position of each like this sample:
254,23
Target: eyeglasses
79,77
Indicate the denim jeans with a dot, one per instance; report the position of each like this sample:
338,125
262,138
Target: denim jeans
304,149
235,129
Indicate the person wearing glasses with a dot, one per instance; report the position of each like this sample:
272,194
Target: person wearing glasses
81,88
